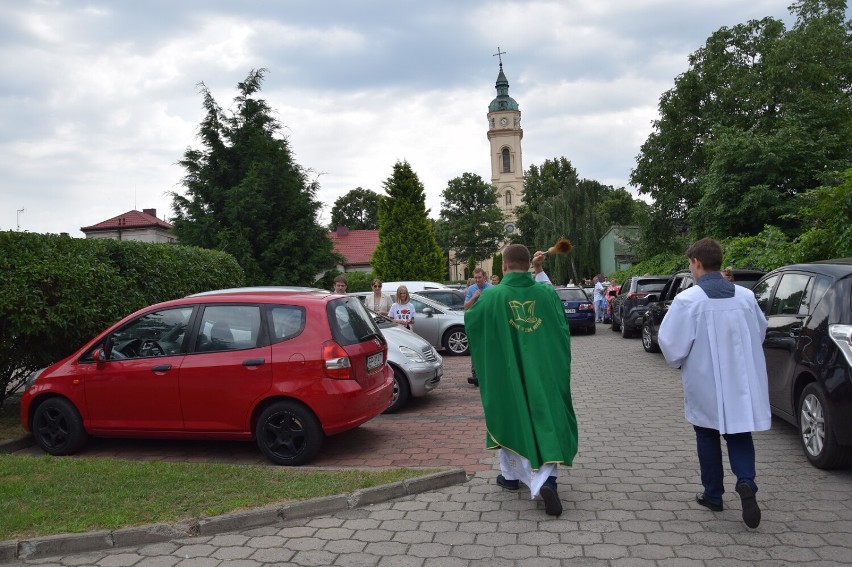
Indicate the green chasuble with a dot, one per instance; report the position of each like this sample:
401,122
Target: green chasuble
521,348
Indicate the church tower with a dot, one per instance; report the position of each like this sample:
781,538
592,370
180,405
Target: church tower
504,134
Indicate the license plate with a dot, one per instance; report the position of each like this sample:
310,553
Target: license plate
374,361
570,311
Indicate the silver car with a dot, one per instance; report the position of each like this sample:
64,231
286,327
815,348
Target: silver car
442,326
417,367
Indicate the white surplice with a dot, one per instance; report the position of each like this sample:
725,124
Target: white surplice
718,345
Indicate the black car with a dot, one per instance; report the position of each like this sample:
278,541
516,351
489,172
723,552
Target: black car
808,349
579,310
629,306
658,304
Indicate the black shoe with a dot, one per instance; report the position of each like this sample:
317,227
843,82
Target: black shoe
751,511
707,504
472,380
507,484
552,503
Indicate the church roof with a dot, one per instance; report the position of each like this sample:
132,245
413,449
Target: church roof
130,219
356,246
503,101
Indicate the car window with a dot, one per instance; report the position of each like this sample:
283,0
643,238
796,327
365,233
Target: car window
789,295
154,334
650,285
814,292
419,306
228,327
763,291
571,295
350,321
287,322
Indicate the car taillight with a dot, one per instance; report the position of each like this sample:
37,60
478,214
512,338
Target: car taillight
636,294
337,363
842,337
586,307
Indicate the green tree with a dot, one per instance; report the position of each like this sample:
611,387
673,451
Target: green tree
472,221
540,185
826,212
761,115
358,209
407,248
246,196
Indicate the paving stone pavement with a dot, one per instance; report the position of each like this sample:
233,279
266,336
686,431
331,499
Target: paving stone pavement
628,499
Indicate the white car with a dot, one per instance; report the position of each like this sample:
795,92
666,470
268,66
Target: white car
413,286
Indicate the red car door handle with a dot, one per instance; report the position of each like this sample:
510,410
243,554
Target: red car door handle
253,362
162,368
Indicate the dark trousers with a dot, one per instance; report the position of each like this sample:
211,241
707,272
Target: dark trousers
740,455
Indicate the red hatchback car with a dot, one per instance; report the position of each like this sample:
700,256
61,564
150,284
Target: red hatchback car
283,367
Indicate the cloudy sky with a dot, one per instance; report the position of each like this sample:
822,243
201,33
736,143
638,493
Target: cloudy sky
99,98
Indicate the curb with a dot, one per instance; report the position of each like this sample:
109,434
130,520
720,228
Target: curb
12,445
63,544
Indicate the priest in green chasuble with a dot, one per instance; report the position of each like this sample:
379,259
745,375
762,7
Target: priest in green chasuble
521,348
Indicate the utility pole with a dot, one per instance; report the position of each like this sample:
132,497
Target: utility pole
19,218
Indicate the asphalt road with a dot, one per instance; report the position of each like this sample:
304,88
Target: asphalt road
628,499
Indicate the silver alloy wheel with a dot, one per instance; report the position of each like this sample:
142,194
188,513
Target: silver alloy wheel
812,422
647,342
457,342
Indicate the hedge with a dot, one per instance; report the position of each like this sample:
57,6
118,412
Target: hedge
57,292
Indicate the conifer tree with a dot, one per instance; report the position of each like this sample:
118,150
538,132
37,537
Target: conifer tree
245,194
407,247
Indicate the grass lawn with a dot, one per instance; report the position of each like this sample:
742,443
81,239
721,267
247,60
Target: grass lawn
53,495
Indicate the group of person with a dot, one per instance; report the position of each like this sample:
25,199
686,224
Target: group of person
602,297
400,311
520,345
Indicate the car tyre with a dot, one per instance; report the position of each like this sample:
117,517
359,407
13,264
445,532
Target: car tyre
58,428
455,341
648,342
625,332
401,391
288,433
615,326
591,330
816,430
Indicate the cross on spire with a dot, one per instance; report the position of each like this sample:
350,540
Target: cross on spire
499,55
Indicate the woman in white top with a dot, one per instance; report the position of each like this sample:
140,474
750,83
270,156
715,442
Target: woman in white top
378,302
402,311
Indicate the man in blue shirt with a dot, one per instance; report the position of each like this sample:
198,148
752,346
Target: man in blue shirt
480,284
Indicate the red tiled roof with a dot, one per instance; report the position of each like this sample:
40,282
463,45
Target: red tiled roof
130,219
356,246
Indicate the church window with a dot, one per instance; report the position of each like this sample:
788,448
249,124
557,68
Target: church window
506,162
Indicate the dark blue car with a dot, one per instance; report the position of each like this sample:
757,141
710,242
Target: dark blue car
579,309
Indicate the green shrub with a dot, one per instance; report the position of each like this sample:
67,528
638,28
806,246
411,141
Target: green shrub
57,292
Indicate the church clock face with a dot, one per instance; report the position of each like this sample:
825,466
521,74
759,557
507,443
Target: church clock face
504,121
510,228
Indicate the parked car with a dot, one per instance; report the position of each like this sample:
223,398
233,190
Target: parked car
658,303
808,349
417,367
579,310
441,326
631,303
413,286
285,368
452,298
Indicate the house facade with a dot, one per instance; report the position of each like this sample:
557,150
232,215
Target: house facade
141,226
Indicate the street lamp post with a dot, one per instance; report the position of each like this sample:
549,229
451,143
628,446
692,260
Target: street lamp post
21,210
